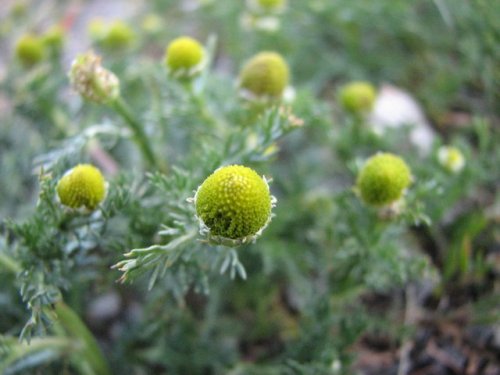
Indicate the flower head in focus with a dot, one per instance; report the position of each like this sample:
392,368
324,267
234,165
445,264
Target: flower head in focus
82,187
234,205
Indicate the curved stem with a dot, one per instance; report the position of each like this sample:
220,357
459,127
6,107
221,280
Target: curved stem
140,136
9,263
75,328
19,350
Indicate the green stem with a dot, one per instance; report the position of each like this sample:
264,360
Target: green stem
9,263
74,326
204,112
140,136
17,351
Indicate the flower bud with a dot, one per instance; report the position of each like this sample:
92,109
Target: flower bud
383,179
234,203
30,50
358,97
265,76
82,186
184,57
92,81
451,158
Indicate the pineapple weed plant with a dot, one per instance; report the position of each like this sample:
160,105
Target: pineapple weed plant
245,215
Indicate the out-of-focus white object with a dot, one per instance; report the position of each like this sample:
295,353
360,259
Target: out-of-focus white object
104,307
268,23
451,158
395,108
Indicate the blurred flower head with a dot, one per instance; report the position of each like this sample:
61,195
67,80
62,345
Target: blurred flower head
152,23
185,57
115,35
264,77
451,158
53,38
30,50
267,6
383,179
92,81
358,97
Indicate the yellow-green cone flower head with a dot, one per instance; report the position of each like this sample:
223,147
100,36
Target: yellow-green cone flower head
184,57
82,187
358,97
30,50
383,179
234,203
92,81
264,76
451,158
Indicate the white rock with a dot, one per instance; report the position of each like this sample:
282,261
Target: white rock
104,307
395,108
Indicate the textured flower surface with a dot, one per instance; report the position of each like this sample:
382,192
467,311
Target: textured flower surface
82,186
92,81
30,50
234,202
265,75
184,56
383,179
358,97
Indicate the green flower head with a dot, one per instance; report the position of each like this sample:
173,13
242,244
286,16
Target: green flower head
184,57
358,97
30,50
92,81
82,186
234,203
265,75
383,179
